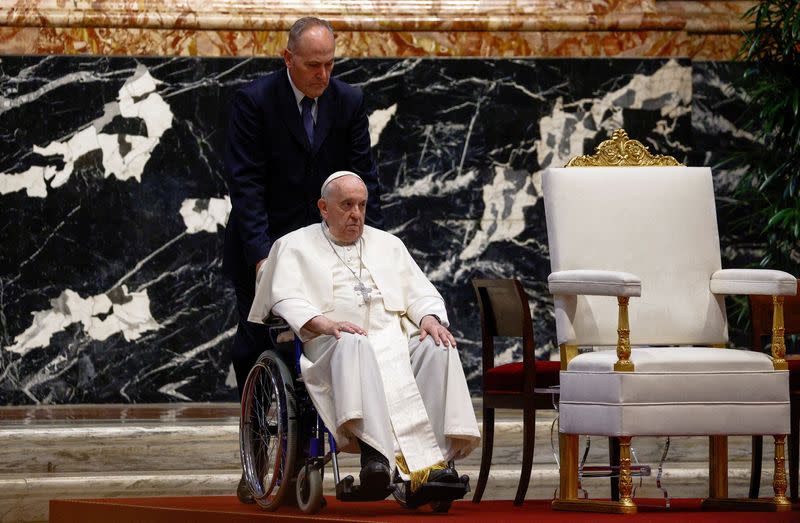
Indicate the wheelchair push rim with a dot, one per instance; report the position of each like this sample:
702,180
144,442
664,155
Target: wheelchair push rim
267,431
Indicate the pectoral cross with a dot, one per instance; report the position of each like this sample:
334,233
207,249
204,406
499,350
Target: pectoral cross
363,290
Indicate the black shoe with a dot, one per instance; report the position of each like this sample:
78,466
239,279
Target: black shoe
446,475
243,492
374,467
374,475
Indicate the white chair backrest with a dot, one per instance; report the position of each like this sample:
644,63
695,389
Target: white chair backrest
658,223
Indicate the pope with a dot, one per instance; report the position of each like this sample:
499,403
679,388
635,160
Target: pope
379,362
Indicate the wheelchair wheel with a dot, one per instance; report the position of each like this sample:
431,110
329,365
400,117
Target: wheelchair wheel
309,490
268,431
399,493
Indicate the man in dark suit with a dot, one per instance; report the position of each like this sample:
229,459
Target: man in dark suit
288,131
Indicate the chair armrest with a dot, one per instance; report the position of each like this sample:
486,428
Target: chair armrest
753,281
596,283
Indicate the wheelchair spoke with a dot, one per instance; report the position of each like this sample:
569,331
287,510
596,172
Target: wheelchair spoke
268,431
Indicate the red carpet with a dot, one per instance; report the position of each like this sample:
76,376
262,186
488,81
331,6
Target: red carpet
213,509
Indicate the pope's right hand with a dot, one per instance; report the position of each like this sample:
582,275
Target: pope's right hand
323,325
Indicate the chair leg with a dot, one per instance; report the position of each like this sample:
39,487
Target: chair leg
613,460
529,438
779,473
568,467
757,447
625,479
486,454
794,447
718,467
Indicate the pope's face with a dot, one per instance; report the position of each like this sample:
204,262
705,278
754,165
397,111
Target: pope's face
311,62
344,209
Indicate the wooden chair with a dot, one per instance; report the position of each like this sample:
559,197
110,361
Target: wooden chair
505,312
761,321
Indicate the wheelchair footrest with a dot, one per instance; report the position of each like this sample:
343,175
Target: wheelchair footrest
435,491
347,490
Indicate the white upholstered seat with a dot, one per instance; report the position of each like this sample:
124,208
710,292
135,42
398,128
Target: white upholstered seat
674,391
647,235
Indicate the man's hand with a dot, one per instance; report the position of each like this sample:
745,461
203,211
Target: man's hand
431,326
324,325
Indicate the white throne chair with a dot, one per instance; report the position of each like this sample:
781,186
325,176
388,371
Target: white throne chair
623,223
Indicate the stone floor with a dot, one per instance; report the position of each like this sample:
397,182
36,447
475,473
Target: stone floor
151,450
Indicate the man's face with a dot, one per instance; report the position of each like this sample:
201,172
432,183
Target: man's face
311,63
345,208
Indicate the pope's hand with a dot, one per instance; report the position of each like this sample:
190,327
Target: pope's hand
431,326
324,325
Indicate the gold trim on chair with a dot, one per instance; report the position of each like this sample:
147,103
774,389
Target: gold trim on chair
779,474
625,479
778,340
621,151
624,363
567,352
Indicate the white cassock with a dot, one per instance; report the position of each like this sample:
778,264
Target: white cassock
400,396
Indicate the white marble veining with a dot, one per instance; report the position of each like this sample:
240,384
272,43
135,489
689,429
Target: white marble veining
116,311
565,130
115,180
377,122
205,214
504,201
124,155
178,360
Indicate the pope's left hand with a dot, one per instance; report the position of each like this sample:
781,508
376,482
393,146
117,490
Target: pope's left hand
430,326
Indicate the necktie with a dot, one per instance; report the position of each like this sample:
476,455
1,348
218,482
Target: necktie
308,118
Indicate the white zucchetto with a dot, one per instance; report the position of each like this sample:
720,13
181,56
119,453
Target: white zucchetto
335,176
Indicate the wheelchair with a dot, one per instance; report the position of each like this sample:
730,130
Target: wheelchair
282,444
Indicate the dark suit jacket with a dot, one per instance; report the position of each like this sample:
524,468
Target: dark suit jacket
274,175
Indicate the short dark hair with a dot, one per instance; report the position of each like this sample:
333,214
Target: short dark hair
300,26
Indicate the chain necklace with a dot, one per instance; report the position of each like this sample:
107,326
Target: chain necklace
362,289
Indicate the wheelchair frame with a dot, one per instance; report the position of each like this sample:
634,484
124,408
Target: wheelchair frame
280,424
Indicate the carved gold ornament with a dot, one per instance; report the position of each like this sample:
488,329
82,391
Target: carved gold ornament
778,342
779,477
620,151
624,363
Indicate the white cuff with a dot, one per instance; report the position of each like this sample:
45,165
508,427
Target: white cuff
427,305
296,313
596,283
753,281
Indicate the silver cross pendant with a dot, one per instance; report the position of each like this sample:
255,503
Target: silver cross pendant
363,290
